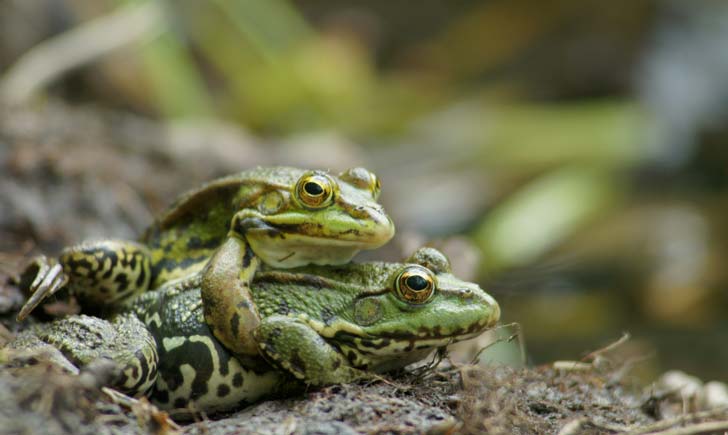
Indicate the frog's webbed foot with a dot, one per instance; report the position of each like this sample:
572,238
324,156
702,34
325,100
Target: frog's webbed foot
49,278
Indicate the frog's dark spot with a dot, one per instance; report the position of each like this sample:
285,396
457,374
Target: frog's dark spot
104,253
141,277
171,264
210,306
76,263
143,364
352,231
194,353
134,372
275,333
248,257
122,379
336,364
327,316
235,324
351,355
223,390
152,373
123,282
283,307
296,362
195,242
238,380
161,396
103,289
271,350
293,228
368,343
278,234
180,402
107,274
224,359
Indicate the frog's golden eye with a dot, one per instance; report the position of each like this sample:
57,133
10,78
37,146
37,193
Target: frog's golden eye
415,285
315,190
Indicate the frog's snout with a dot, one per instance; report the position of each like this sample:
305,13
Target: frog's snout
380,228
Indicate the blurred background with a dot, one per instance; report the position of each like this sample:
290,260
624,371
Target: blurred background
569,155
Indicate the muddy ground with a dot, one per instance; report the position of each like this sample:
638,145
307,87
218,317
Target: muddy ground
67,174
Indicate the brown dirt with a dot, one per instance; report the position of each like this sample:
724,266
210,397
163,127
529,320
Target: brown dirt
67,174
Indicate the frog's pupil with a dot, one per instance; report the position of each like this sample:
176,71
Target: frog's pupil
313,189
416,282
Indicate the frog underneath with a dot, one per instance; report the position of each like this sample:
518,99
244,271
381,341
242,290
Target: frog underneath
320,325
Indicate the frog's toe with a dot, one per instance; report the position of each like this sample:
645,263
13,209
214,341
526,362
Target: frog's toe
49,278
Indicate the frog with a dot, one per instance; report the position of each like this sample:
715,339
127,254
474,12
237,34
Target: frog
320,325
284,217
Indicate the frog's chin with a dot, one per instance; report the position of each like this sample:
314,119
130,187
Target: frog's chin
301,250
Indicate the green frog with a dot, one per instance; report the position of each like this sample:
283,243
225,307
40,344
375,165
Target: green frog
286,217
319,325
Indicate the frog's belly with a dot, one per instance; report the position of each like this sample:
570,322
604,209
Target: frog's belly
197,373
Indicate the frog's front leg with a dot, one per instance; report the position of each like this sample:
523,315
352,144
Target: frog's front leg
84,339
296,348
227,302
98,273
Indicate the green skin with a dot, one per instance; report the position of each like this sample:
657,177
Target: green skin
222,231
320,325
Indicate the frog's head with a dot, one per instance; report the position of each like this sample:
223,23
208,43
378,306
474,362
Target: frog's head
396,313
315,218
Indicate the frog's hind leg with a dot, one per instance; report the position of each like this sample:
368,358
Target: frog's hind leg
84,339
100,273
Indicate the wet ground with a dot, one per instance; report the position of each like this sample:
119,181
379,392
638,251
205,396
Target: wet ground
68,174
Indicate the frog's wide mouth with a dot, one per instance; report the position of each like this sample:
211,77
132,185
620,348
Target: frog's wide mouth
311,233
408,341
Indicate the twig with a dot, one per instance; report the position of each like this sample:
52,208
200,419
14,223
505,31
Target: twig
54,57
693,429
573,427
599,352
510,338
666,424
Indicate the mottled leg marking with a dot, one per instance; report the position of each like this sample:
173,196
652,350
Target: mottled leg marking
107,271
85,339
293,346
228,305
